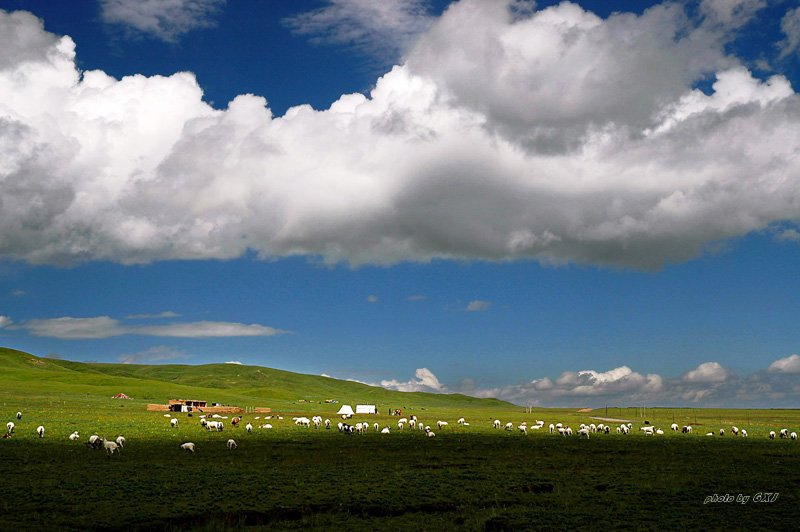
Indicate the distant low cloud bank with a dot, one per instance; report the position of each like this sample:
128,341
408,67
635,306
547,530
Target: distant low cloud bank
478,145
710,384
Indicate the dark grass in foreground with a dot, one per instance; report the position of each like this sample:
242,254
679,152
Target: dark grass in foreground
325,481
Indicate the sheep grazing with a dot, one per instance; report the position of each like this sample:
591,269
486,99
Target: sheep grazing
10,427
19,415
562,431
784,433
110,447
584,432
376,426
327,424
120,441
40,431
735,431
235,421
232,444
687,429
709,433
744,433
659,432
430,434
497,423
674,427
509,426
648,431
592,428
267,426
74,436
461,421
95,441
793,435
722,432
385,430
173,422
249,428
188,446
523,429
772,435
552,428
441,424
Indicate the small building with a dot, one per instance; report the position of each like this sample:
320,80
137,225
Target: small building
192,405
366,409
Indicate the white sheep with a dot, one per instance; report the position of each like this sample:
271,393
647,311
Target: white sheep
327,424
540,423
568,431
509,426
10,427
403,420
793,435
648,431
40,431
74,436
523,429
110,447
95,441
722,432
441,424
376,426
232,444
461,421
385,430
552,428
584,432
784,433
120,441
265,426
167,415
173,422
735,431
744,433
188,446
19,415
249,428
772,435
466,424
430,434
659,432
592,427
559,425
562,431
674,427
709,433
497,423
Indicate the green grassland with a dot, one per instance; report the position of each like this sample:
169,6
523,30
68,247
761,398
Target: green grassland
293,478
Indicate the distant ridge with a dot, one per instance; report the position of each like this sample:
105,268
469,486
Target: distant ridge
225,383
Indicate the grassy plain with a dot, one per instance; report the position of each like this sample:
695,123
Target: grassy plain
292,478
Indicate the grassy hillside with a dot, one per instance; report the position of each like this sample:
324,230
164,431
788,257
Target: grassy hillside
26,374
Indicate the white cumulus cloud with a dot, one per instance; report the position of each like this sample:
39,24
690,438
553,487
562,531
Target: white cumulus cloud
425,381
790,364
707,372
5,321
480,145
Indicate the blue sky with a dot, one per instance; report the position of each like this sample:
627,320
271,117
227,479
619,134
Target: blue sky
566,204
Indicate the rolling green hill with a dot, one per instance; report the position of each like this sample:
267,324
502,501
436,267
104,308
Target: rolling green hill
26,374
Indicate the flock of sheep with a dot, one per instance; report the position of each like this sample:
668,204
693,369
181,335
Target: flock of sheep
216,424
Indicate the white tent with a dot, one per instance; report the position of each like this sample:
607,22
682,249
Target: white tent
346,410
366,409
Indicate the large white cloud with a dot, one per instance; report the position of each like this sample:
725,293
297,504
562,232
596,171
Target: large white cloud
790,364
508,133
